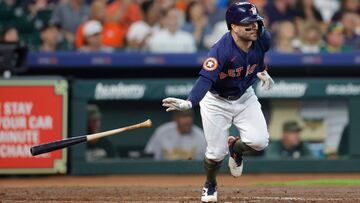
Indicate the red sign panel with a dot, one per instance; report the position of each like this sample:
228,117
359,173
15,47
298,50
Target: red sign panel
30,115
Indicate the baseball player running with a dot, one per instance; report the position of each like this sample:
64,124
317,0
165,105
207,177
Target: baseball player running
224,91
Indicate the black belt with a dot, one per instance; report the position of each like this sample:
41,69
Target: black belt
231,98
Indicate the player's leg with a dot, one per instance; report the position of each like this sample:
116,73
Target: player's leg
252,126
216,119
209,193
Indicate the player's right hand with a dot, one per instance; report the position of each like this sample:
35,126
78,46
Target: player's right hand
176,104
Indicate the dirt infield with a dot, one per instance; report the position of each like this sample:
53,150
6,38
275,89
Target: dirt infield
165,188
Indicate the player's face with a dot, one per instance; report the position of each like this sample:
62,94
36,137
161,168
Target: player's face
246,31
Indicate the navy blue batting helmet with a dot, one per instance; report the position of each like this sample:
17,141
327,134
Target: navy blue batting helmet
242,12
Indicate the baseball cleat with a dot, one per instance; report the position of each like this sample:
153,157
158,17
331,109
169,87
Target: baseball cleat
235,160
209,193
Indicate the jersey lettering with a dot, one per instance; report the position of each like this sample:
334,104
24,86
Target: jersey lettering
231,73
238,71
250,69
222,75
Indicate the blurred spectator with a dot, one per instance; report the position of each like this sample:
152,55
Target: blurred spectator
140,31
171,39
44,3
70,15
34,6
10,11
196,23
290,145
204,20
49,36
124,13
351,22
52,39
305,11
327,8
179,139
310,39
284,38
182,5
167,4
347,6
27,16
9,3
335,40
222,3
38,15
10,34
214,13
100,148
277,11
217,32
112,35
92,30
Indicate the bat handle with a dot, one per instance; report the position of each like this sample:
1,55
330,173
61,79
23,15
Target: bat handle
144,124
40,149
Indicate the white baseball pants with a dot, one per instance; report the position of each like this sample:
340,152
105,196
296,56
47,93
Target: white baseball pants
245,113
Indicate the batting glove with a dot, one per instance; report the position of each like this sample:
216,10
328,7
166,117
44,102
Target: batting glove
266,81
176,104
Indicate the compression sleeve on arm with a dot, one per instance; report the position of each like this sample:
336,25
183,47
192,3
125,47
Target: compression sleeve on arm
201,87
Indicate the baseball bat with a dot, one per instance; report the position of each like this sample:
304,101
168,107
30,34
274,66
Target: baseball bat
60,144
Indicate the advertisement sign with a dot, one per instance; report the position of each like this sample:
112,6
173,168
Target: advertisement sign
32,112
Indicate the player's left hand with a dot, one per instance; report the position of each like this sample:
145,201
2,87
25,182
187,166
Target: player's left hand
266,81
176,104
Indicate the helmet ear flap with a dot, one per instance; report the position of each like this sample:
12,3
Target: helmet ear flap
260,26
228,26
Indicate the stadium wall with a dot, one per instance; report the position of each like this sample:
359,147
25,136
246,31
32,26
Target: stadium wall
131,101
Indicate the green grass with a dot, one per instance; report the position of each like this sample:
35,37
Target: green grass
324,182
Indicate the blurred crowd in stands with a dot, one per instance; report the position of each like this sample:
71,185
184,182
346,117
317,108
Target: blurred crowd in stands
174,26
